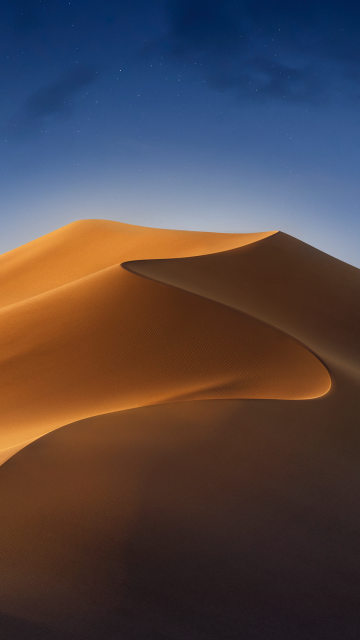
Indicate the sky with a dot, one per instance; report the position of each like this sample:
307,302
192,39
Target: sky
232,116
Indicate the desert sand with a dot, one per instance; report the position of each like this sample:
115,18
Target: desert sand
179,437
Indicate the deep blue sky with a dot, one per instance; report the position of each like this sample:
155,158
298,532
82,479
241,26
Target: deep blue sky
191,114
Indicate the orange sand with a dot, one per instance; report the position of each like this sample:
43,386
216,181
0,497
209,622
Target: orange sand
219,519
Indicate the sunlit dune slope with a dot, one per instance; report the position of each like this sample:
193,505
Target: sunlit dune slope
114,340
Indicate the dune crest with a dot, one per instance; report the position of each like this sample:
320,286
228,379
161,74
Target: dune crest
82,336
88,246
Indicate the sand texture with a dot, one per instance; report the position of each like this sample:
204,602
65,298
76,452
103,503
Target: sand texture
184,409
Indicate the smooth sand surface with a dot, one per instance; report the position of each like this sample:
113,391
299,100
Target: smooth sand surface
232,516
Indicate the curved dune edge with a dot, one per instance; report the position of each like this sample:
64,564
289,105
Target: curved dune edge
9,452
63,358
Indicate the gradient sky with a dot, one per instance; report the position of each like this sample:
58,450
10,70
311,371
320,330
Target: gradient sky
231,116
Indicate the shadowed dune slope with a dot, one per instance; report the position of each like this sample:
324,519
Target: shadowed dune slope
113,340
208,519
282,281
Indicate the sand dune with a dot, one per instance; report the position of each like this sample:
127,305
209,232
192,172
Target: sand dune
111,340
232,516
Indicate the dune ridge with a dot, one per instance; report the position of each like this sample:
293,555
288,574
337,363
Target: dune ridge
82,336
88,246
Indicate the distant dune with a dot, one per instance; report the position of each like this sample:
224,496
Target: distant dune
204,482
